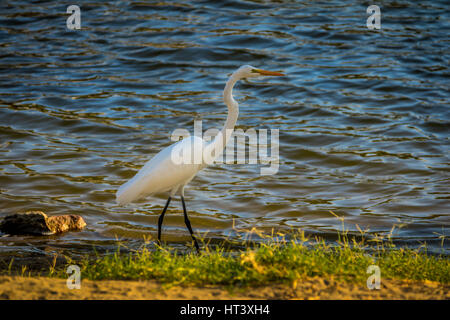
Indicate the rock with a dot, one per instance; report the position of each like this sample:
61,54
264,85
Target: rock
31,222
65,223
38,223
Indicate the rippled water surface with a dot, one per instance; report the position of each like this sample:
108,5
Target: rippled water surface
363,116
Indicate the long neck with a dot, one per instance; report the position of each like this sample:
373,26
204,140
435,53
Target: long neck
233,110
221,140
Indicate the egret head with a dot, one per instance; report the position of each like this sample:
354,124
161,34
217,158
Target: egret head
252,72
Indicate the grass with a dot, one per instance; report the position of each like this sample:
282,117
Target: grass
275,260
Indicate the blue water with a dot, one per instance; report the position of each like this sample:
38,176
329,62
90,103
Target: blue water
363,117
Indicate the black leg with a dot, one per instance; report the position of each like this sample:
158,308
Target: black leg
160,220
188,224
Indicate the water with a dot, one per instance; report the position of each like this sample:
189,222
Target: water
363,116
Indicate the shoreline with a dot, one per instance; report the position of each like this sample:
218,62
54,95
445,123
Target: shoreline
309,288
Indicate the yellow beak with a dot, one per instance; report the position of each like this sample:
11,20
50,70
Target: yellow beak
268,73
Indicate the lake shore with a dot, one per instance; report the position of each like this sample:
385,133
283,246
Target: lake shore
274,269
32,288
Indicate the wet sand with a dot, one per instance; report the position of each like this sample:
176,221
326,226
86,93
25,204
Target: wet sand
18,288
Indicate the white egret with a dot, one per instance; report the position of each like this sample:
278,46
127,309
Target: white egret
163,174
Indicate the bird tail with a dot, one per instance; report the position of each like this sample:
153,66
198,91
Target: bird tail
128,192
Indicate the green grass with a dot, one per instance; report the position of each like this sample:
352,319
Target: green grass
275,260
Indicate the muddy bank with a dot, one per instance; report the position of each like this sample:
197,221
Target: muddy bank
311,288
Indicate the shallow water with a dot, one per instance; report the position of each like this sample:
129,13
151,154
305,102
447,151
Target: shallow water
362,115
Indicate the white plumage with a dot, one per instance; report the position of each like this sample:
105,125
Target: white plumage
176,165
164,172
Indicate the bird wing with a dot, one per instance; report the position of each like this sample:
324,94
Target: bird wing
172,167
